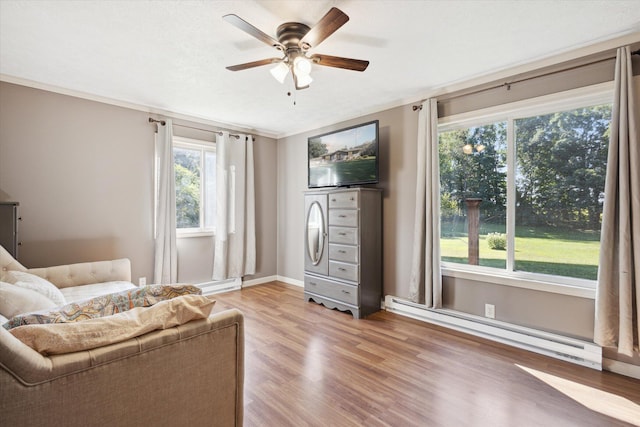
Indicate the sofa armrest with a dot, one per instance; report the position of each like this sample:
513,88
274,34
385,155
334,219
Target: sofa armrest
86,273
191,374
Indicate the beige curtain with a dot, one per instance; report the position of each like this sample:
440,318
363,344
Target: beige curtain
235,235
426,240
618,292
166,253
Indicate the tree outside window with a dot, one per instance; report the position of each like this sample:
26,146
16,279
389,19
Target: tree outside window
558,164
195,175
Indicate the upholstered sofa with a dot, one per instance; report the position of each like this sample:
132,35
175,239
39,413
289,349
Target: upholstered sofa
191,374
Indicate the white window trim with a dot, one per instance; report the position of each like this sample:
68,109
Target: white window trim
182,142
561,101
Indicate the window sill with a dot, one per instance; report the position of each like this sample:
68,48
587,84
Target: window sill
189,234
496,278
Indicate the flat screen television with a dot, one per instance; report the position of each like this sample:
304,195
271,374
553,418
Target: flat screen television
345,157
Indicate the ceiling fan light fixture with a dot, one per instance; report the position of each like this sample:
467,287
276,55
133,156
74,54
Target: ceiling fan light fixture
303,80
280,71
302,65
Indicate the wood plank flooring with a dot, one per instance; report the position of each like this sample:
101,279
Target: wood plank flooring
307,365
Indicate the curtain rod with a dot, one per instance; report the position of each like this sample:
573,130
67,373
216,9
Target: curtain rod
508,84
163,122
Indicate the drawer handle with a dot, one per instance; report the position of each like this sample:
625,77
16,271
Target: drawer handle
346,292
352,199
342,251
342,216
342,269
342,234
312,283
333,200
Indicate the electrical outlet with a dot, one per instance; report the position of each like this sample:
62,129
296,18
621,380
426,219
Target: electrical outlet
142,281
490,311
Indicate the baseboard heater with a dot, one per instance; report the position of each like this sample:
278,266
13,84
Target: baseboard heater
216,287
569,349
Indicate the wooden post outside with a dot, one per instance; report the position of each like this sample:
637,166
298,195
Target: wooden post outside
473,216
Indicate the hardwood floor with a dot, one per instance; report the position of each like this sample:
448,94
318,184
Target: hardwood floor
307,365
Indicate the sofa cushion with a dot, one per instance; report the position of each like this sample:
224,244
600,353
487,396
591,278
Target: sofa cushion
104,305
84,292
35,283
71,337
15,300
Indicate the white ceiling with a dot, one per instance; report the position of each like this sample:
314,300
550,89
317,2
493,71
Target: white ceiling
171,55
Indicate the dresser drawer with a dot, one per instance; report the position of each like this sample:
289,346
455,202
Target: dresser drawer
343,270
343,217
343,253
344,235
348,199
337,291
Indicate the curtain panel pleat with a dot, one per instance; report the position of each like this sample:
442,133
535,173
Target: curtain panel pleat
617,294
166,258
426,244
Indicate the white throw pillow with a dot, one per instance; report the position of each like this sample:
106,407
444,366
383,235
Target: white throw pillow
35,283
15,300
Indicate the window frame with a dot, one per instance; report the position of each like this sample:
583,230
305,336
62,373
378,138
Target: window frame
509,113
203,146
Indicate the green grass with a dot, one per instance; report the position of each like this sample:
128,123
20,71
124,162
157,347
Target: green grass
539,250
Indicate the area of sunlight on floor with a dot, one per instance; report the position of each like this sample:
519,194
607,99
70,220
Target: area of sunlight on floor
597,400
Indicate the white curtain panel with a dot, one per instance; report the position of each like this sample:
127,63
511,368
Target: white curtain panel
165,265
426,243
235,240
617,319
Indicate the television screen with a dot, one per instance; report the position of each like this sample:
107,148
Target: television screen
344,157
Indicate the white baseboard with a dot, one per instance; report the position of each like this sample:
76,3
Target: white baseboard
290,281
569,349
622,368
259,281
274,278
216,287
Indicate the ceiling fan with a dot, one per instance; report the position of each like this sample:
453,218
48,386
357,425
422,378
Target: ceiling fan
294,41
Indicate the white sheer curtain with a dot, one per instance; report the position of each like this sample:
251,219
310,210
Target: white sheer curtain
617,320
166,265
426,242
235,239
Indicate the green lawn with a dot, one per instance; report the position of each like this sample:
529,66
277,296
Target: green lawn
564,253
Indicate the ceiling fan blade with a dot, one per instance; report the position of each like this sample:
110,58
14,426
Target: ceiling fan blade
339,62
250,29
259,63
329,23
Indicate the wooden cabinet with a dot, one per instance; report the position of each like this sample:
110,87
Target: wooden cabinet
9,227
343,249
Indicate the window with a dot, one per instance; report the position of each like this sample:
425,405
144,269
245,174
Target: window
195,174
522,190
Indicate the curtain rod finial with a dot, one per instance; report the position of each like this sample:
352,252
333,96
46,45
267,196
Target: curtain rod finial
152,120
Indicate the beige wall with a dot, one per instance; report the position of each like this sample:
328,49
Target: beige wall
398,133
82,172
